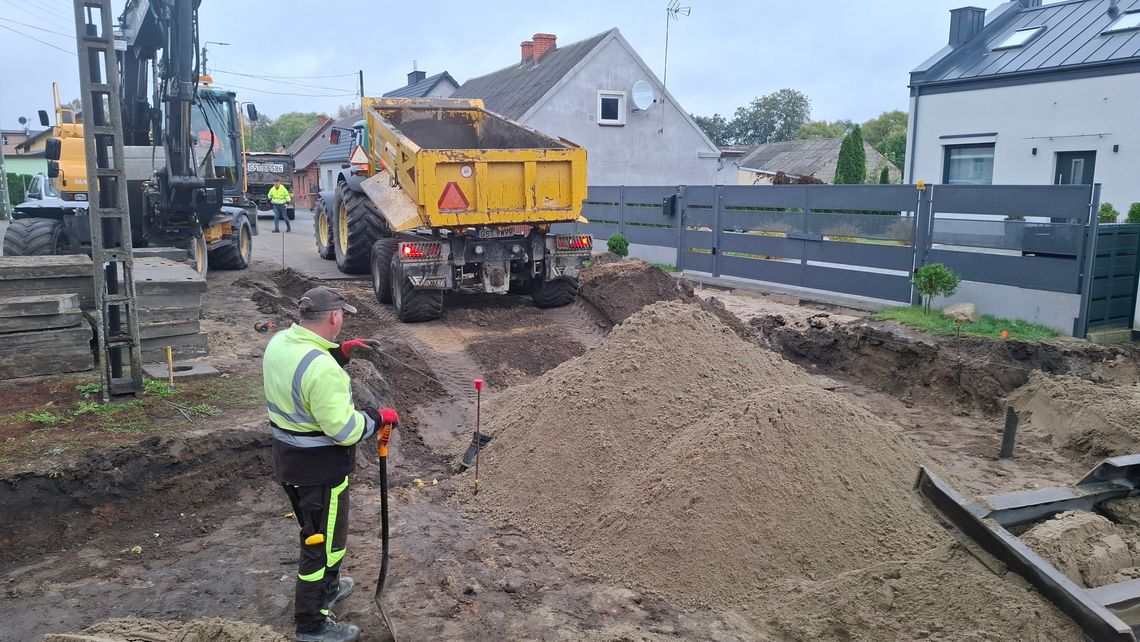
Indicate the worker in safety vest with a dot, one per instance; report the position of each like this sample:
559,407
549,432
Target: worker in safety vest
315,431
279,196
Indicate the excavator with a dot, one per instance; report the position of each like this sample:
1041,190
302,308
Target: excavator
183,146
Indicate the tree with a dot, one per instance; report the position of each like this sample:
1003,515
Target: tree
716,127
1133,214
266,133
1107,213
885,176
887,134
344,111
934,280
770,118
16,185
824,129
851,169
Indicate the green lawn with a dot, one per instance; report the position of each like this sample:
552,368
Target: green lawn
987,326
668,267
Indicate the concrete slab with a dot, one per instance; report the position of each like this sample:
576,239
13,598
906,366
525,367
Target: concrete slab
38,305
78,285
170,253
44,267
187,346
42,322
159,276
183,370
168,329
808,294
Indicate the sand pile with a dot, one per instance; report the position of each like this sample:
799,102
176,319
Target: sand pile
1088,548
945,595
1097,419
137,630
680,458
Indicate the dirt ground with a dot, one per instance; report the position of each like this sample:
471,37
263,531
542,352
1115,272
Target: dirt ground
182,521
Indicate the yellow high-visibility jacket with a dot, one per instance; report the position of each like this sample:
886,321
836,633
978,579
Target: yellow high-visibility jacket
279,195
309,399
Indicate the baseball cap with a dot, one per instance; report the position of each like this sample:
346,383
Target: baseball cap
324,299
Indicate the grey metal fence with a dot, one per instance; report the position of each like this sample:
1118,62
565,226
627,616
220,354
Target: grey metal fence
862,240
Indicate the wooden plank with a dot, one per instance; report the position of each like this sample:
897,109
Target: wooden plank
46,322
16,268
38,305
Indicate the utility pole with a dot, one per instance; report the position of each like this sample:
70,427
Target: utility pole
5,206
361,72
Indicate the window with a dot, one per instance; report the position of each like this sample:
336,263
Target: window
968,165
1127,22
1019,38
611,107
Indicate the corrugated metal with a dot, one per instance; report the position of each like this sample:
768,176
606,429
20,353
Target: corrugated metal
1072,37
515,89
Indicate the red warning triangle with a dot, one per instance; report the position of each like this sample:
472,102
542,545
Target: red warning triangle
453,198
358,156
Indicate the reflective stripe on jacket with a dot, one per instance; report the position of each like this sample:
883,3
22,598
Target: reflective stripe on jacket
279,195
309,400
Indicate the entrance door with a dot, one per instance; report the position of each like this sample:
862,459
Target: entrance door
1075,168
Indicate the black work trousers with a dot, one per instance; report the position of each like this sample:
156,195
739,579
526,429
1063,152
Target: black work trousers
322,512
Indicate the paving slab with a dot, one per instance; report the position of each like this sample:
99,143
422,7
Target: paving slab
186,346
183,370
38,305
18,268
43,322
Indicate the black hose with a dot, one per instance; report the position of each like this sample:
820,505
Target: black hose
383,547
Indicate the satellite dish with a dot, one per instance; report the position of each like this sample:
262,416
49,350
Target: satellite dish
23,121
642,95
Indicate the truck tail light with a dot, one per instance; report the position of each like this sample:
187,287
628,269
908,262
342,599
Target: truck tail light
425,251
573,243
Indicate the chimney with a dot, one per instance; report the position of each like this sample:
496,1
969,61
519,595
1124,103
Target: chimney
1113,9
1029,4
543,42
967,22
527,51
416,76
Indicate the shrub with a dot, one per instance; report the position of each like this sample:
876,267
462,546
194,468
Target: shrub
1107,213
934,280
618,245
1133,214
885,176
851,167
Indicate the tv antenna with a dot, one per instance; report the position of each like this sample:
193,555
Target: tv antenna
672,11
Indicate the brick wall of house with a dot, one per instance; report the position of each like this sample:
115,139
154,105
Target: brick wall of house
305,186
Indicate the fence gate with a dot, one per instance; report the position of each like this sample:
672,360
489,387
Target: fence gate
1116,264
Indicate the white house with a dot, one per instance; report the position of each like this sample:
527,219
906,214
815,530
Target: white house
1032,94
601,95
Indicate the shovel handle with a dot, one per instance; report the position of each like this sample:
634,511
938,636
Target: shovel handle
382,437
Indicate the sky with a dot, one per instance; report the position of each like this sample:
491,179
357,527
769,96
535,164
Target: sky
851,59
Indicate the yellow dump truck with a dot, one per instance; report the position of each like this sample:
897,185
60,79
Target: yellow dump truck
441,194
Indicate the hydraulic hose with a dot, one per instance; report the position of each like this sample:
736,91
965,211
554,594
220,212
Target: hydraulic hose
382,450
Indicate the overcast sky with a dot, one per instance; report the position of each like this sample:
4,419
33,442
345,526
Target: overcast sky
850,58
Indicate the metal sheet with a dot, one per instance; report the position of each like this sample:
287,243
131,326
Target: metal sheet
1034,272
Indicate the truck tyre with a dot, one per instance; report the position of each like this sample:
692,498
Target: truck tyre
382,253
413,305
238,254
35,237
357,226
322,231
555,293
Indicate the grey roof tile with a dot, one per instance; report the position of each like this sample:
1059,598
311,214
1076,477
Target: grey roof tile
514,90
811,157
421,88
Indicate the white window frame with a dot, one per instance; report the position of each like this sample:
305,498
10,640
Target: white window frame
620,95
1123,24
1031,34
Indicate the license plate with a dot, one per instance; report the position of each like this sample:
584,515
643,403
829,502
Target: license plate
493,233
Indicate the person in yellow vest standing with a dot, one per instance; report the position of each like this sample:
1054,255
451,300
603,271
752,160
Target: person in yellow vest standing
315,430
279,196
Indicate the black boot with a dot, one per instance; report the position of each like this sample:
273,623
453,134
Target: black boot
331,631
343,589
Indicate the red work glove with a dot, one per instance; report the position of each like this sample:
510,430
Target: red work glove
354,347
388,416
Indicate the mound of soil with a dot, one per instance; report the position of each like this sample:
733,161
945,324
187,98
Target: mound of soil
136,630
945,595
1100,420
699,465
1088,548
618,289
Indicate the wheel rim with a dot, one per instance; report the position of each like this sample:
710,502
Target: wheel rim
323,230
342,229
198,248
246,243
376,278
394,285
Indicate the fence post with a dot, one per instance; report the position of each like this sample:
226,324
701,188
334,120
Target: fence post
682,204
621,211
1087,261
718,195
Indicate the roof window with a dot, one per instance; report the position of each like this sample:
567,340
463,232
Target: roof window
1126,22
1019,38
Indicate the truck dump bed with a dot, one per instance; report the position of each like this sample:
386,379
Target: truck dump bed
457,165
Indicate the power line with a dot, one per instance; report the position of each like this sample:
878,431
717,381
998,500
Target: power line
54,10
273,79
248,66
37,16
42,42
283,93
24,24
